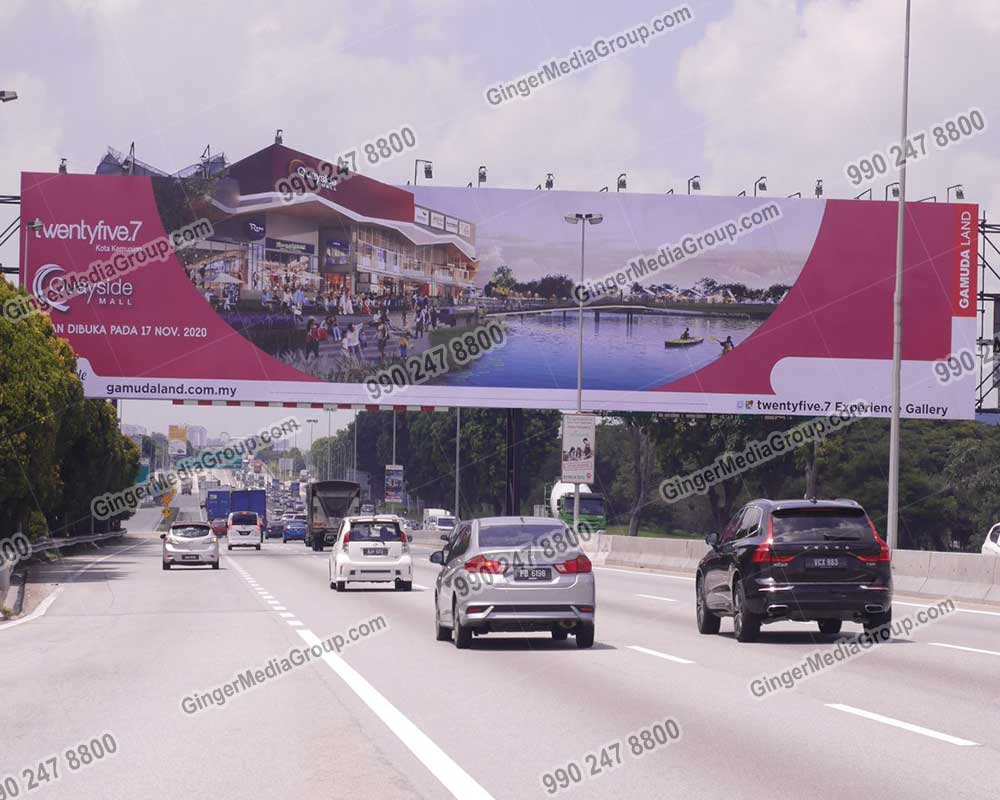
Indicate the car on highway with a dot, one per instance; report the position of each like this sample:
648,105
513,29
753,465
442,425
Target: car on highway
371,549
795,560
991,544
219,526
495,576
190,544
244,530
275,528
293,529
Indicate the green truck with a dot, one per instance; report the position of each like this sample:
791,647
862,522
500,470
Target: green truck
593,512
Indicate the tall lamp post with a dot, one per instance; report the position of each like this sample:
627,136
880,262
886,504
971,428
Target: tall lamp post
312,427
576,219
892,522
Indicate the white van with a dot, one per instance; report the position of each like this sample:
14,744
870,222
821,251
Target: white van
243,529
991,544
431,516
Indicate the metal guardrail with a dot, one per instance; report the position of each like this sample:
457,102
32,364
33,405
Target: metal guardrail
57,544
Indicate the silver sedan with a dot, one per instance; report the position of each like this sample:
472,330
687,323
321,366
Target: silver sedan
513,574
190,544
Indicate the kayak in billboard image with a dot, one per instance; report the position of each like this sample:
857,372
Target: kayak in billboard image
235,289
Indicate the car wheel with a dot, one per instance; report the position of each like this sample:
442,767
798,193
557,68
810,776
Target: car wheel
442,634
585,635
746,624
256,547
830,627
463,633
877,621
708,623
404,586
166,565
341,586
284,540
559,633
215,565
229,547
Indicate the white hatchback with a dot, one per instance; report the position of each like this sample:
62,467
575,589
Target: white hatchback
371,549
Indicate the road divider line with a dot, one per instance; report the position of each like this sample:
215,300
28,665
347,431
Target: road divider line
657,597
455,779
658,654
287,615
294,623
280,608
957,608
966,649
906,726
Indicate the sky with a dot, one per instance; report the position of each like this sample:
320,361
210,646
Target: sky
789,89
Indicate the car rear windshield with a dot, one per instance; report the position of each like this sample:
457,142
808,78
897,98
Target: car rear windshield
520,535
812,525
191,531
446,522
375,532
245,519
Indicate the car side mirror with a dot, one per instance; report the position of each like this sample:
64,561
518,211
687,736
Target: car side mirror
712,540
163,536
437,557
444,537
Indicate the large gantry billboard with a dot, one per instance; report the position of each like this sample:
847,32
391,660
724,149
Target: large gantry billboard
251,287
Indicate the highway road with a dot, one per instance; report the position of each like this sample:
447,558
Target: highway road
400,715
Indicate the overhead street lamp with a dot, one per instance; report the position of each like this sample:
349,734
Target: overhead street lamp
959,192
6,96
760,183
893,189
621,183
576,219
694,183
481,176
819,187
428,169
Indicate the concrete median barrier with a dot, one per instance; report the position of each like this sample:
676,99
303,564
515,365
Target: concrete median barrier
971,576
909,570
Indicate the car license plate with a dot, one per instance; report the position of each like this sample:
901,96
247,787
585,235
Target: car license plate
532,574
374,551
826,563
189,558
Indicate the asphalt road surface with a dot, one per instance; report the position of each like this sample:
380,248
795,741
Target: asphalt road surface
397,714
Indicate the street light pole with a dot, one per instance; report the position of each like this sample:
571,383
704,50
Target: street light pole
892,521
329,444
394,436
584,219
458,455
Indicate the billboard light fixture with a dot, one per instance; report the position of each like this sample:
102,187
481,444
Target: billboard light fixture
819,187
694,183
761,184
892,189
549,180
959,192
278,138
621,183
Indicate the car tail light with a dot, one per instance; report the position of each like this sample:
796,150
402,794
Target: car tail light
475,609
484,565
402,537
764,554
575,565
586,609
347,538
883,548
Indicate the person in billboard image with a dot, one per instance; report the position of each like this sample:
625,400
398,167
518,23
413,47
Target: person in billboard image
727,345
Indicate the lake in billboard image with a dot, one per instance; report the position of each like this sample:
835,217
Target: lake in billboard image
353,291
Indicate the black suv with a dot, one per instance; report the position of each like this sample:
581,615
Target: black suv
778,560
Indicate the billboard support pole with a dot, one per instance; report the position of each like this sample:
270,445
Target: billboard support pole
579,365
458,454
394,436
892,516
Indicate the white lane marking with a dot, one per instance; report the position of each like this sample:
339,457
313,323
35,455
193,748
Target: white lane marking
656,597
286,615
294,623
646,572
658,654
966,649
273,603
964,610
455,779
48,601
906,726
420,586
279,608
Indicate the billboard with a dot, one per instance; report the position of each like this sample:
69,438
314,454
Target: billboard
692,304
393,483
177,440
578,451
